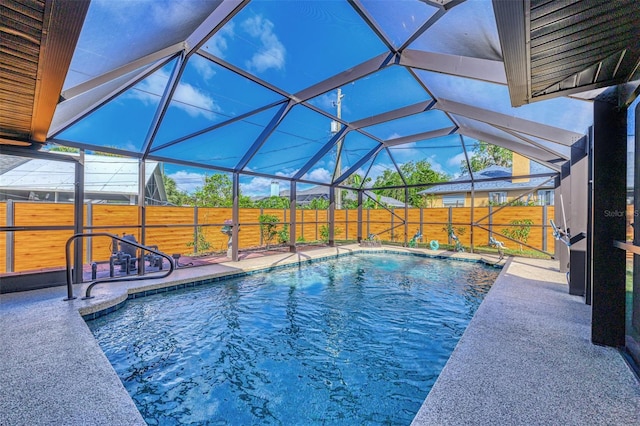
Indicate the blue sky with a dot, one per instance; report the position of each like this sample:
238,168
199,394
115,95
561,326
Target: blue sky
290,45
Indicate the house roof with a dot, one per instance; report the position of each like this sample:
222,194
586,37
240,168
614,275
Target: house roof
103,175
501,181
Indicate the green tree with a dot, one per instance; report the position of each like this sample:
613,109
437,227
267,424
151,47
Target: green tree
273,202
485,155
356,180
174,195
268,227
317,204
415,173
218,192
519,230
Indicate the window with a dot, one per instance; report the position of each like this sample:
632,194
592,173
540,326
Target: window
497,198
456,200
545,197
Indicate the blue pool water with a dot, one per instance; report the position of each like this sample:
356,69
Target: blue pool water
354,340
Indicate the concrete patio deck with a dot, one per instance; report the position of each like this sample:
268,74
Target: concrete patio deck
525,359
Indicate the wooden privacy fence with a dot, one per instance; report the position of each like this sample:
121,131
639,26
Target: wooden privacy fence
28,246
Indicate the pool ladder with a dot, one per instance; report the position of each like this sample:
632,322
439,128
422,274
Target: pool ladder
74,237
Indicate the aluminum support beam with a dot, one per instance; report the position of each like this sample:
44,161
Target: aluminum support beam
359,236
321,153
292,214
332,216
543,131
235,217
78,218
394,114
169,90
142,212
462,66
271,127
352,74
521,148
635,302
372,23
578,212
122,71
76,107
421,136
222,14
609,221
562,208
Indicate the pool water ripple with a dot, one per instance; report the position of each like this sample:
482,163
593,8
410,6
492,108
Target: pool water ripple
356,340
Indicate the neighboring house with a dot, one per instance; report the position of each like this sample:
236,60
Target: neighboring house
106,180
304,197
495,192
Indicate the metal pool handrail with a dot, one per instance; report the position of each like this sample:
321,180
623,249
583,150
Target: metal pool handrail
74,237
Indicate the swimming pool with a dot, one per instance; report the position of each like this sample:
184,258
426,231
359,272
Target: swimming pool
358,339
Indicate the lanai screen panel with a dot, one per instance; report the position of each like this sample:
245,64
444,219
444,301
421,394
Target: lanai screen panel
221,147
118,32
402,20
389,89
324,39
260,96
565,113
444,158
465,31
208,94
125,121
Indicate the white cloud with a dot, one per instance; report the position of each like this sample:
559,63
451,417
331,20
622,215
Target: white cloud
318,175
218,44
436,166
204,67
327,101
170,14
194,102
187,181
393,135
150,89
271,53
186,97
456,160
257,186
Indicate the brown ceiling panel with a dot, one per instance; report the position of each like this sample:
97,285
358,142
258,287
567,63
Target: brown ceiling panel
37,40
568,46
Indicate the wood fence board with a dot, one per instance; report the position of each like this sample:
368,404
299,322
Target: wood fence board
165,215
508,214
48,252
439,216
414,216
37,249
43,214
114,215
214,215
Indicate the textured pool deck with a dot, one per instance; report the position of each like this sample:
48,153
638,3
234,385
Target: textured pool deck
525,359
